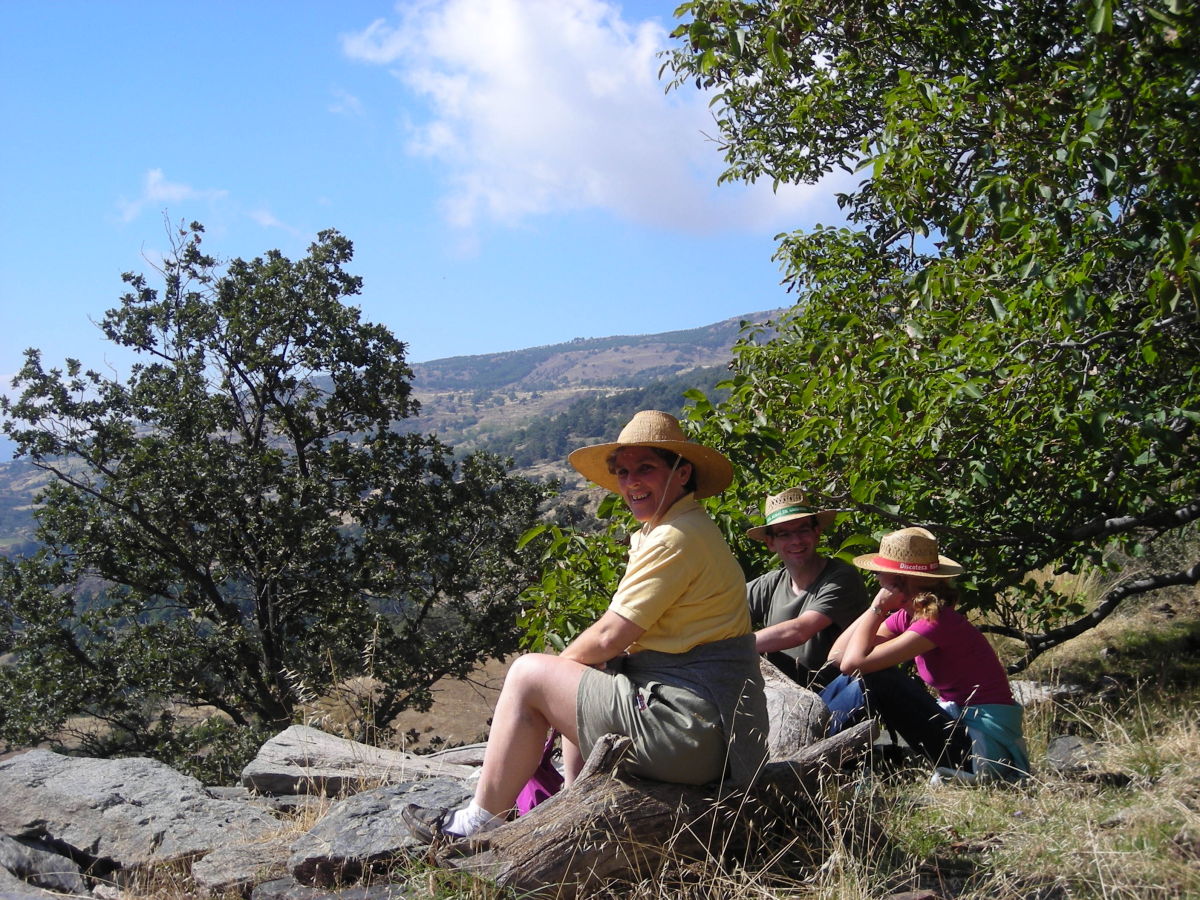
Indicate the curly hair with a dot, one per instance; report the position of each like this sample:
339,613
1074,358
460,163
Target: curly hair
932,600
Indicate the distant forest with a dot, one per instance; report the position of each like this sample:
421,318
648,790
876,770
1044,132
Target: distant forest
600,418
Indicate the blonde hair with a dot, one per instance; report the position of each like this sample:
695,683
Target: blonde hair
932,600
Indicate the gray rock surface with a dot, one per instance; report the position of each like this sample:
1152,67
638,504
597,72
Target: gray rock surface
290,889
41,867
237,869
366,830
1072,753
120,812
304,760
1028,693
466,755
14,888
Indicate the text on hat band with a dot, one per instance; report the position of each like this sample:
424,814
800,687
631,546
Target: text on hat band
789,510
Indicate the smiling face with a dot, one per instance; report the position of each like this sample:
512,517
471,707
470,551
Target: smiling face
795,542
646,482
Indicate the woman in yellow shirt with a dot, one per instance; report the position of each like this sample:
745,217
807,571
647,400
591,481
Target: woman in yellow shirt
671,663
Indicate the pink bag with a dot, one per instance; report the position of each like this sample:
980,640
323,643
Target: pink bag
545,783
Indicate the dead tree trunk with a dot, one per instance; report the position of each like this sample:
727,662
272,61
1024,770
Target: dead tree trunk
610,825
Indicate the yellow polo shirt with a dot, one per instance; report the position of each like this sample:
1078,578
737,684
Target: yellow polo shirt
682,584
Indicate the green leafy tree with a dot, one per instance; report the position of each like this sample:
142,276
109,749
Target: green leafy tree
1002,342
238,526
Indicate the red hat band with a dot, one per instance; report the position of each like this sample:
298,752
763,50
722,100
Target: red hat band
898,566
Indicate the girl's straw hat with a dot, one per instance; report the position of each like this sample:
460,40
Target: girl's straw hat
910,551
652,428
788,506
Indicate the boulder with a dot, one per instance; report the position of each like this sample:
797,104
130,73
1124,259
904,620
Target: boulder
365,831
41,867
304,760
120,813
14,888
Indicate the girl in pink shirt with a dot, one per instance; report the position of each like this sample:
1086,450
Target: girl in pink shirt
913,617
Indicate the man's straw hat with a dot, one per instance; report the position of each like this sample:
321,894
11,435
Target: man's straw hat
909,551
652,428
787,506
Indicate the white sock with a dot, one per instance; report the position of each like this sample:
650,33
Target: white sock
471,819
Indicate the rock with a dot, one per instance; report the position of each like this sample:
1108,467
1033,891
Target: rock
798,716
1028,693
290,889
304,760
237,869
466,755
285,803
41,867
120,813
14,888
366,830
1072,753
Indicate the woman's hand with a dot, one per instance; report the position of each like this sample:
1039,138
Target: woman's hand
889,600
605,638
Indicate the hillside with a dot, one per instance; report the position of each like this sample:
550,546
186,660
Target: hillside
533,405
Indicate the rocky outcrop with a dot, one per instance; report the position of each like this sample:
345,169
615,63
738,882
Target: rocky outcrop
77,827
119,813
319,816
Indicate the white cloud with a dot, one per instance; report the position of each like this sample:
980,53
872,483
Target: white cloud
267,219
158,192
545,106
345,104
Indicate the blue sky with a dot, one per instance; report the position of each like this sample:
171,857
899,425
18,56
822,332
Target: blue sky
510,171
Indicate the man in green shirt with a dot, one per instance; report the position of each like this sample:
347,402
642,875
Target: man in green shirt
799,609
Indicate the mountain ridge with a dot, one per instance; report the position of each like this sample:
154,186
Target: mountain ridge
531,405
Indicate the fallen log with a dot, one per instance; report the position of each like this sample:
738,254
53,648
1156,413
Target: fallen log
610,825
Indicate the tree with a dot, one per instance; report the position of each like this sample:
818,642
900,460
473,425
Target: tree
237,526
1002,343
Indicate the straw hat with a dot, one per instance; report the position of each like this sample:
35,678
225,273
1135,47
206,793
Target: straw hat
788,506
910,551
652,428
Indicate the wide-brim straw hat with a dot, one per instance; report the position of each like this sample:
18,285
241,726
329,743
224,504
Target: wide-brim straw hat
787,506
654,428
909,551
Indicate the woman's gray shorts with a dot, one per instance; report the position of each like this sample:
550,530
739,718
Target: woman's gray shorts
677,736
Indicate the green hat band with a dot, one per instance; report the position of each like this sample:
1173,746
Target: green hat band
790,510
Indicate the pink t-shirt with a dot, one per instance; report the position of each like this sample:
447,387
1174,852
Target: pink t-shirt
963,668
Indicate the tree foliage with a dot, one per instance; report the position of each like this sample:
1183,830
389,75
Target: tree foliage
1002,341
237,526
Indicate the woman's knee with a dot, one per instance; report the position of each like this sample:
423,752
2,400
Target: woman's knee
527,672
540,679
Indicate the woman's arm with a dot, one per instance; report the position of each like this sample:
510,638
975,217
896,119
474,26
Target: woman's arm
608,636
868,645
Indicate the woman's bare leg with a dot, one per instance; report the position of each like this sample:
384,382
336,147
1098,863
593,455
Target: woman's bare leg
539,693
572,761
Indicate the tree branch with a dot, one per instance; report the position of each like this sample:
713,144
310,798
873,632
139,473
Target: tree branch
1039,644
1155,518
